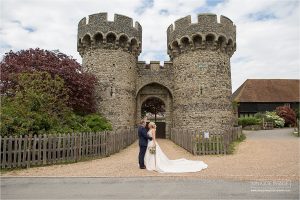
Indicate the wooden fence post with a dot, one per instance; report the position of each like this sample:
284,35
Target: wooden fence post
9,152
34,150
59,147
54,149
107,143
1,152
79,146
29,150
4,152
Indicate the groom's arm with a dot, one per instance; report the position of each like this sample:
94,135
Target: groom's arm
145,135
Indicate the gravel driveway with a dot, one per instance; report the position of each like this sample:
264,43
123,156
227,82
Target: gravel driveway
264,155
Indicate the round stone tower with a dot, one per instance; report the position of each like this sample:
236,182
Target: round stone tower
202,80
109,50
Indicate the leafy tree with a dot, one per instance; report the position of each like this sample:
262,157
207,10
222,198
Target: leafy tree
38,105
154,106
80,84
287,114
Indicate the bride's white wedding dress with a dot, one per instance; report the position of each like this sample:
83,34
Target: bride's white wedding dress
161,163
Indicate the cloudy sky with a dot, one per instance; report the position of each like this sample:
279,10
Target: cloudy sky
267,30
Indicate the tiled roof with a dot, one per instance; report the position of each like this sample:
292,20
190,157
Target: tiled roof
268,90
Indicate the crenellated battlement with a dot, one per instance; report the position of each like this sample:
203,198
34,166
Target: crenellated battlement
97,32
154,66
206,33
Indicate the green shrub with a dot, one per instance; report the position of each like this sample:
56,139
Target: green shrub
39,105
247,121
96,123
260,115
278,121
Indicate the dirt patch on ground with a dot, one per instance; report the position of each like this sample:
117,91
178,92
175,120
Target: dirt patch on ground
260,157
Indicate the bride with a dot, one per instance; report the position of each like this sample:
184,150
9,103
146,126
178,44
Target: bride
156,160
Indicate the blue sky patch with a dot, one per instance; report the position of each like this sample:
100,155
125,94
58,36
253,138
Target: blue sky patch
262,16
164,12
16,22
208,6
145,5
212,3
29,29
4,45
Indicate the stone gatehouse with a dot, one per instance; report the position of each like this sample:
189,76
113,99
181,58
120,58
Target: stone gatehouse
195,85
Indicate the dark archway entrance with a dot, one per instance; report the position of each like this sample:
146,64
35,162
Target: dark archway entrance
164,96
154,109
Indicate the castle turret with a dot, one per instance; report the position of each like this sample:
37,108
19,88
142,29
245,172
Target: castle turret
109,49
202,80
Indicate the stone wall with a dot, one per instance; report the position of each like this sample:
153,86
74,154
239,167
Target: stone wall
154,73
109,49
202,91
202,80
115,90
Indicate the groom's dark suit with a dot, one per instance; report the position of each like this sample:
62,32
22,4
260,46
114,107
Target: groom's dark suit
143,142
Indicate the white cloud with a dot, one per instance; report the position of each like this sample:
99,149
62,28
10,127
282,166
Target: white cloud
267,30
267,46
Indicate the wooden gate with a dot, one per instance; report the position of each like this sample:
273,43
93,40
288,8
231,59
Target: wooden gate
160,129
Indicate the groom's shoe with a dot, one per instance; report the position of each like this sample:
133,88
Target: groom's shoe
143,167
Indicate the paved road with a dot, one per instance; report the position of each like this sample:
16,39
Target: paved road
144,188
280,133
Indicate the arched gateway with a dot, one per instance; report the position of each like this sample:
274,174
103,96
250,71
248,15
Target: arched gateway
152,92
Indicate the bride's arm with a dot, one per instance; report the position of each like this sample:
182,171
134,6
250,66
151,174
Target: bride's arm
154,135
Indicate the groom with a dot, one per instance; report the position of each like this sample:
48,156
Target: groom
143,142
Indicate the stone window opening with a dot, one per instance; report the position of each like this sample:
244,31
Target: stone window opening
111,38
175,47
98,38
133,45
221,42
229,46
185,43
123,41
197,41
210,39
86,41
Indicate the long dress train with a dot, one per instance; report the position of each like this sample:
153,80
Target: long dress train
161,163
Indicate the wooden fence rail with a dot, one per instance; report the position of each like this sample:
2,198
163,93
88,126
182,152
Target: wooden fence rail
199,143
26,151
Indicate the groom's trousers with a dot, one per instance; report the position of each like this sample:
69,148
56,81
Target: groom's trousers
142,155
